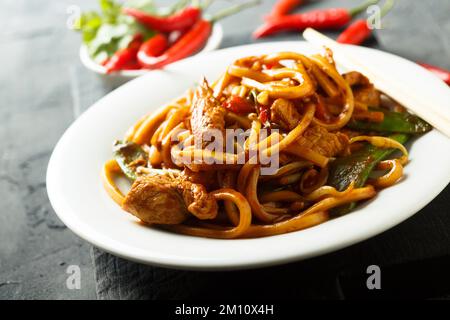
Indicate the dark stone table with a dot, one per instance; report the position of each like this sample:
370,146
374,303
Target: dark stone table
44,88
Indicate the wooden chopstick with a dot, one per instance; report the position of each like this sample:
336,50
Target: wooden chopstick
437,115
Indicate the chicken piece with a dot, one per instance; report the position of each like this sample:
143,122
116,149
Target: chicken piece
355,78
205,178
363,91
153,200
199,202
326,143
207,121
367,95
206,112
164,199
284,113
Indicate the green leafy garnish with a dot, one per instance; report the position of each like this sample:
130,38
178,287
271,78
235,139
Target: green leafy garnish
109,30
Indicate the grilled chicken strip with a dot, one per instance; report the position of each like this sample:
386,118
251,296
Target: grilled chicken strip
326,143
206,112
284,113
363,91
164,199
207,123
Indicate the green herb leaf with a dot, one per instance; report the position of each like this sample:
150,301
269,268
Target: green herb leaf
110,10
110,30
88,24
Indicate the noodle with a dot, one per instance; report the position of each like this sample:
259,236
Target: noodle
390,178
245,218
384,142
109,169
252,197
347,111
228,193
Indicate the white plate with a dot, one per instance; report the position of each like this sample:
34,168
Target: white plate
76,193
123,76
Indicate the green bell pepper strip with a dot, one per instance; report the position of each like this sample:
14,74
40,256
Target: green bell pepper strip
393,122
127,154
357,167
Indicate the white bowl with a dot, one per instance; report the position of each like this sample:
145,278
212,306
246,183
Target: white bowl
120,77
76,193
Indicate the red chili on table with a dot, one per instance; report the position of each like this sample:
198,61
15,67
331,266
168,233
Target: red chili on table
283,7
356,33
359,31
333,18
180,20
192,40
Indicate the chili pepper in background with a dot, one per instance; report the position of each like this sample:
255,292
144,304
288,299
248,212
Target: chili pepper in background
180,20
318,19
441,73
359,31
283,7
153,47
123,56
193,40
132,65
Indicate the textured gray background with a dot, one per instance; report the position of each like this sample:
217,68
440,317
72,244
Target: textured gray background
44,88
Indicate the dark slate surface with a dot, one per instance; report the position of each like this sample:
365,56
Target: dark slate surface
44,88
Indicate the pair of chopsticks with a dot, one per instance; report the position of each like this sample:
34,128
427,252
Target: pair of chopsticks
431,111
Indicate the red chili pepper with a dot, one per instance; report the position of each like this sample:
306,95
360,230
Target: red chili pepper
263,113
238,104
132,65
441,73
191,42
122,57
181,20
317,19
333,18
283,7
356,33
153,47
359,31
